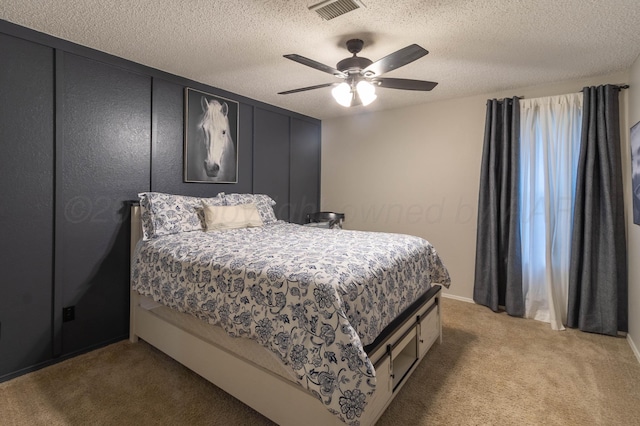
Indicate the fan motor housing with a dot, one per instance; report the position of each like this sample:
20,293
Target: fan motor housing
355,63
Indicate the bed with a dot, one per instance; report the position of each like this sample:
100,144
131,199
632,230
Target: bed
305,325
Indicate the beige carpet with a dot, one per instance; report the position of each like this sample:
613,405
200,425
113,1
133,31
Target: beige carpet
491,369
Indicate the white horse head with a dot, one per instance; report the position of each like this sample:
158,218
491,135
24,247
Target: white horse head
217,136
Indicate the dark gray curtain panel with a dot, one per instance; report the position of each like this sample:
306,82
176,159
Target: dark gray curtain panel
498,275
598,274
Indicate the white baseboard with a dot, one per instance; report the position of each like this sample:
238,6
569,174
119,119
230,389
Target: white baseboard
453,296
634,348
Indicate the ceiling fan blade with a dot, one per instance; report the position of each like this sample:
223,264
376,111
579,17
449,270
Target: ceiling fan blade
317,65
404,84
304,89
395,60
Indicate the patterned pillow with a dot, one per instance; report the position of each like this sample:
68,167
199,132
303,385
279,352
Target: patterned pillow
263,202
164,214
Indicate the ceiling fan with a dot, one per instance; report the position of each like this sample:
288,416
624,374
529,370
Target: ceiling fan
362,75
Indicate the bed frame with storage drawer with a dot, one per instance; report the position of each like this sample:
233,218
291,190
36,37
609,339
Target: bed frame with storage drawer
395,354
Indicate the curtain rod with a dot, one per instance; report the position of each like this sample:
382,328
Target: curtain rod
619,86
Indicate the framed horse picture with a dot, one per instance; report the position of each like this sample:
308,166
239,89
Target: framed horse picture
210,138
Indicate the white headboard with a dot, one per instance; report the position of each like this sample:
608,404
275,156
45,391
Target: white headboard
136,226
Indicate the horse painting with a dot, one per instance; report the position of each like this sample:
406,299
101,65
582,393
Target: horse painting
211,150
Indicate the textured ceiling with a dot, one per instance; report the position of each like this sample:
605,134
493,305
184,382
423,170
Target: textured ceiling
237,45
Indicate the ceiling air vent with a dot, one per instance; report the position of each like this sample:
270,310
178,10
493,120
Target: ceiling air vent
333,8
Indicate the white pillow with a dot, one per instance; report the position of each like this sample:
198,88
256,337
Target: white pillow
231,217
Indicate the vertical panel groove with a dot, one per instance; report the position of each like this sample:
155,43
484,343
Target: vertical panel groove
154,133
57,205
319,200
253,148
253,145
291,201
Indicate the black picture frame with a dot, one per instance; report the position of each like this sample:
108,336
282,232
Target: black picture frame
634,143
211,131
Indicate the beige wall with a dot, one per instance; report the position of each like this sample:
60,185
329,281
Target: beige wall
415,170
633,231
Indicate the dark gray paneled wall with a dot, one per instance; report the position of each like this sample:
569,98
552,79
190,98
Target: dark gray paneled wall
305,167
103,158
26,203
271,149
81,133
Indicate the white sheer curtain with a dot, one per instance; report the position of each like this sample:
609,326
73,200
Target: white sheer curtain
550,131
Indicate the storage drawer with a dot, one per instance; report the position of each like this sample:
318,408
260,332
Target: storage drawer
404,355
428,329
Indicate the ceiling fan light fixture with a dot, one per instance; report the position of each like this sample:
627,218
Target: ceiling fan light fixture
342,94
366,91
361,76
349,94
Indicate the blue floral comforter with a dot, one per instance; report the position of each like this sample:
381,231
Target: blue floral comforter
313,296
